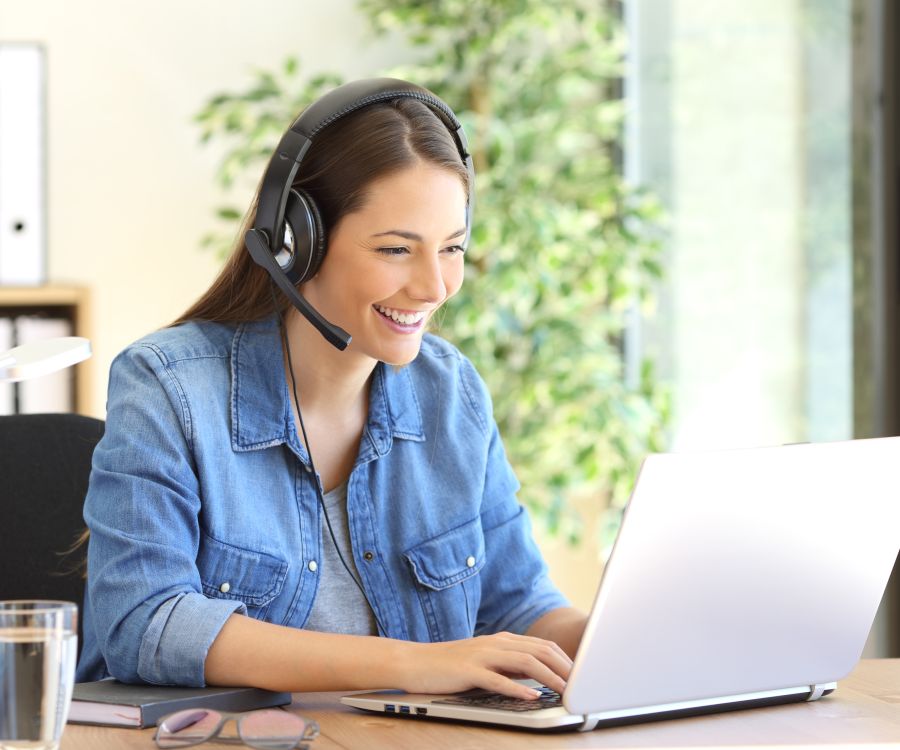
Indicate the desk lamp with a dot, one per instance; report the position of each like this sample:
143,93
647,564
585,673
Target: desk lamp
42,357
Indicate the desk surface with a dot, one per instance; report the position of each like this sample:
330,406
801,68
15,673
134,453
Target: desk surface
864,710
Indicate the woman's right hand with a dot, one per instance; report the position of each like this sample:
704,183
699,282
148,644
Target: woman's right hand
491,662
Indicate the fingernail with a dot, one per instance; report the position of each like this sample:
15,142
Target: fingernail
536,693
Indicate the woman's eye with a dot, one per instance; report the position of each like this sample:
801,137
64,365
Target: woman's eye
455,249
393,250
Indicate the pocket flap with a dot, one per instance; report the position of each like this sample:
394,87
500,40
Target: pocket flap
229,572
450,557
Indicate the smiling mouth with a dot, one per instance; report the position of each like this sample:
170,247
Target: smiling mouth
399,317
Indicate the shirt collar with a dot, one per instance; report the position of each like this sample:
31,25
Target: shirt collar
260,407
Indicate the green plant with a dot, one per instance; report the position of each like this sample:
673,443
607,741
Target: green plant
562,248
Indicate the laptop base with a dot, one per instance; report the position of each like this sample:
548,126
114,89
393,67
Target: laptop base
422,706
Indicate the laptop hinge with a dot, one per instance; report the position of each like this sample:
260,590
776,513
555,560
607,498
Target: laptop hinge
690,708
590,722
817,691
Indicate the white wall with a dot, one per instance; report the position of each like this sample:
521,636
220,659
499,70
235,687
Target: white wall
130,190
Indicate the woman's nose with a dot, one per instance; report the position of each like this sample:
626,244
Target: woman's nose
428,283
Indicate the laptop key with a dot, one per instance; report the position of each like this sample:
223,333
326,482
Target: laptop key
548,699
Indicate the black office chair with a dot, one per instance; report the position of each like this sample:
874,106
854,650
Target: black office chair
45,461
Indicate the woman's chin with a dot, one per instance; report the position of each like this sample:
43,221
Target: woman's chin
401,356
399,361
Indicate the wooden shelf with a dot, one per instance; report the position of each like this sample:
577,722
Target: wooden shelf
42,295
60,301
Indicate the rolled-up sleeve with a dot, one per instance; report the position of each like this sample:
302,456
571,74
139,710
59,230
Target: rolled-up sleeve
151,620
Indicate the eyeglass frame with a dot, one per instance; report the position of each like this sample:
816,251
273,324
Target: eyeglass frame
310,730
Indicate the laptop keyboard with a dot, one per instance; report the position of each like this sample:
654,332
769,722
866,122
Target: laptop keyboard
483,699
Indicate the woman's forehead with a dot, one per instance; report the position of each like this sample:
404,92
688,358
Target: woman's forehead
428,195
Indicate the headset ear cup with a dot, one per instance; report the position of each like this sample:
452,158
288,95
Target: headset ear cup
306,224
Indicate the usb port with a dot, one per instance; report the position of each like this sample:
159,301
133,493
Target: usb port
404,709
421,710
389,708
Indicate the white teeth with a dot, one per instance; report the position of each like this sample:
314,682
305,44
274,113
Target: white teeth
402,318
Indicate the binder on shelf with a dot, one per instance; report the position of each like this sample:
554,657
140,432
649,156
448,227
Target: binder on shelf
7,390
22,171
50,393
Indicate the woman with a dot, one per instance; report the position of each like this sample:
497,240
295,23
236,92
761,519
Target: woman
220,553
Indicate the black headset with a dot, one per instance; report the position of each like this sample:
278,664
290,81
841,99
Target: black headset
288,237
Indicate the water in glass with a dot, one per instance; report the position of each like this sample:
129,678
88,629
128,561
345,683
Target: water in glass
37,665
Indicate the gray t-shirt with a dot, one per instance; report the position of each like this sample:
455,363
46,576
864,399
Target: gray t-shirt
339,606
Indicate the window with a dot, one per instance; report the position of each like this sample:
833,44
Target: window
740,121
769,131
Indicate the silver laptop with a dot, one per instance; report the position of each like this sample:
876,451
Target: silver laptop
739,578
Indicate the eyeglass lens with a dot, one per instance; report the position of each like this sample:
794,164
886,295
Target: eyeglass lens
266,730
272,730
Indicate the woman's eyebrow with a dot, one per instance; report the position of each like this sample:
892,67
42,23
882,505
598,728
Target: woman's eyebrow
416,237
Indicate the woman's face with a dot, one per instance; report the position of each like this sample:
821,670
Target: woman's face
395,261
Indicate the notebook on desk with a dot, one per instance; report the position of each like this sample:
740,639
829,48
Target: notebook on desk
739,578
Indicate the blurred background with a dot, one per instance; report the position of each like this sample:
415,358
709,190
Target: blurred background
686,224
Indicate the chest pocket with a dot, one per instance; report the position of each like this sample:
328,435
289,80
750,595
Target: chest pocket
445,569
229,572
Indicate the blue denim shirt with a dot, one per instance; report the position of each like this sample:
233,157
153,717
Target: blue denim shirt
202,504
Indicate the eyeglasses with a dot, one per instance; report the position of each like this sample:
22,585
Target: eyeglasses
266,730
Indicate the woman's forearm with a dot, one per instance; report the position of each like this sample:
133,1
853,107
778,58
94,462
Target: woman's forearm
260,654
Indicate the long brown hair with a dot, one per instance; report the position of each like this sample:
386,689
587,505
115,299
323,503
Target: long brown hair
343,161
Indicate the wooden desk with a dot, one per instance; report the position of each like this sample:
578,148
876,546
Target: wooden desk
865,709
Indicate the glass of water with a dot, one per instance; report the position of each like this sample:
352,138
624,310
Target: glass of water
38,643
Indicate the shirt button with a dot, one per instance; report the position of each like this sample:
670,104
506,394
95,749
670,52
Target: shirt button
313,566
225,587
470,562
307,468
368,556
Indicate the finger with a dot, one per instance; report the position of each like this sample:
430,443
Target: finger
545,651
525,664
555,658
514,640
498,683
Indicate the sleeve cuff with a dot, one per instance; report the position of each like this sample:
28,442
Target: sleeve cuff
174,647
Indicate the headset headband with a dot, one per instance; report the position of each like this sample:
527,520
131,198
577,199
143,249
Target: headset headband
333,106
